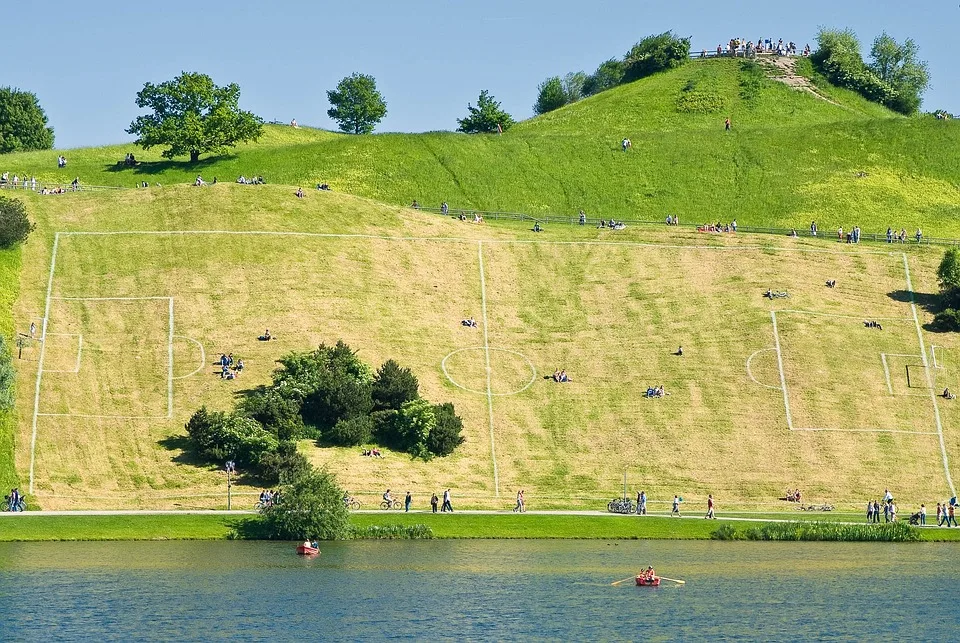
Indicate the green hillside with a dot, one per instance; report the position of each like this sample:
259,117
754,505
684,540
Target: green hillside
790,158
135,319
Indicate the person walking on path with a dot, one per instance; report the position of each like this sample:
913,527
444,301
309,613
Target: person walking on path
939,515
642,503
923,515
676,506
519,508
710,514
434,501
876,512
869,511
406,502
446,506
951,518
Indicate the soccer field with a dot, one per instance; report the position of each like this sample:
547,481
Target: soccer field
768,394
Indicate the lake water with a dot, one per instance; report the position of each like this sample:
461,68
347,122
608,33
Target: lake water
470,590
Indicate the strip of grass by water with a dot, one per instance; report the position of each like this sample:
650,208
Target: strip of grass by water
444,526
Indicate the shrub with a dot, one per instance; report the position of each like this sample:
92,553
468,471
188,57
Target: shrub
276,412
350,432
608,75
445,435
947,320
385,428
752,81
550,96
311,507
696,102
284,465
655,53
391,532
392,386
219,437
833,531
15,227
414,423
727,532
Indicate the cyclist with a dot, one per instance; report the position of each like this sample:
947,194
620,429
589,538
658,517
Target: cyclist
387,498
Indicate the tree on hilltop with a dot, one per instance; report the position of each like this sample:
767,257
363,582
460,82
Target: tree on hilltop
608,75
550,96
899,66
356,105
655,53
193,116
486,118
23,123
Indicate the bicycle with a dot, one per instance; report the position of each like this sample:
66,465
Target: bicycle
393,504
20,505
351,503
620,506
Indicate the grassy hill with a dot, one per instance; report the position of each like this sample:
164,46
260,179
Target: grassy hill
791,158
136,319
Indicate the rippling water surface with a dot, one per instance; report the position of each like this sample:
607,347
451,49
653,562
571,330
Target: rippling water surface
557,590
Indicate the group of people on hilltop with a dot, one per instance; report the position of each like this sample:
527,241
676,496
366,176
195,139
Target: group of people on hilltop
748,48
18,182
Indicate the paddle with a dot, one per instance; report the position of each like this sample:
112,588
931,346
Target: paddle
674,580
623,581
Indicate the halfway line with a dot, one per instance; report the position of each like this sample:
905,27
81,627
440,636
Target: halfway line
486,353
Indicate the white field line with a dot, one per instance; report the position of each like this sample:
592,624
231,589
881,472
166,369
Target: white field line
203,357
783,378
108,298
486,352
75,369
327,235
886,371
926,370
750,372
104,417
819,314
43,350
170,362
868,430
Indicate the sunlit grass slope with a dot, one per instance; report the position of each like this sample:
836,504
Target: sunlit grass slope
789,159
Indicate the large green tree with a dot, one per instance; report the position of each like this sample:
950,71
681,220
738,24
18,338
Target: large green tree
608,75
655,53
899,66
193,116
23,123
486,117
550,96
15,226
311,506
356,104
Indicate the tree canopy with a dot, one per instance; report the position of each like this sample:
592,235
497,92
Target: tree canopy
311,506
550,96
655,53
23,123
193,116
356,105
486,117
15,226
899,66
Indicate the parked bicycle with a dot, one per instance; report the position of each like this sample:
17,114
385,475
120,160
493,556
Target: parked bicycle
620,506
816,507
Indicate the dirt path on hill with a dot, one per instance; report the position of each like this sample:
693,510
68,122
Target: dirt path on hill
784,69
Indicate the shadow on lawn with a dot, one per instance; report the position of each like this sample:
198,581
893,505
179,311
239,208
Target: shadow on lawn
931,303
149,168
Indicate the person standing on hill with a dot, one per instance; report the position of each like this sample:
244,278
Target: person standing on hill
726,125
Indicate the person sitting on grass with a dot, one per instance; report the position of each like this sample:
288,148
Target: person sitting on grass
469,323
947,395
239,366
556,375
536,227
602,224
266,337
563,377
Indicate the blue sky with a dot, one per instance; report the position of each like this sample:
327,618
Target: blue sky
86,61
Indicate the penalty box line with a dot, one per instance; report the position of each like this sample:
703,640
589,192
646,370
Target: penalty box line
43,345
786,395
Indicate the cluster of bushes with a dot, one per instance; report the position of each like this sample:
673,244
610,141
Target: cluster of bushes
894,78
947,318
391,532
331,396
694,100
15,227
822,531
652,54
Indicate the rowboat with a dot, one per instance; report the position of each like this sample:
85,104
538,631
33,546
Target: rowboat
307,551
645,582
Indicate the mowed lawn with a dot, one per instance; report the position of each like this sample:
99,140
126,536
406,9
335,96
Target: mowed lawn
611,310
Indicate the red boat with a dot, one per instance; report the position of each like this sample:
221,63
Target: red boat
313,551
646,582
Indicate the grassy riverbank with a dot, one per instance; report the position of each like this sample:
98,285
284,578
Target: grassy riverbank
220,526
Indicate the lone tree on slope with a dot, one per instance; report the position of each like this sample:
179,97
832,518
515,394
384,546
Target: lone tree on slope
193,116
23,123
356,105
485,117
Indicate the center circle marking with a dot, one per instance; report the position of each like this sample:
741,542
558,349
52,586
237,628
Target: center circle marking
533,370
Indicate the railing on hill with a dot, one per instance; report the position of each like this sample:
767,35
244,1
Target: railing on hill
59,188
593,222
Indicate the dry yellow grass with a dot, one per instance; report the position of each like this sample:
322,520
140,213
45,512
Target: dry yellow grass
610,313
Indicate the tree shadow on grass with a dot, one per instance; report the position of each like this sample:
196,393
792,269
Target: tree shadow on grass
182,444
248,528
931,303
149,168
